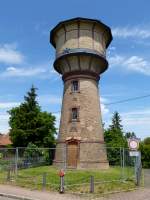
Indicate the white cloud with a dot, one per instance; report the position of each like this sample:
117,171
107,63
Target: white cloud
103,100
137,121
137,112
57,115
112,48
138,64
4,105
4,127
50,99
125,32
104,109
10,55
23,72
137,117
133,63
4,116
116,60
39,71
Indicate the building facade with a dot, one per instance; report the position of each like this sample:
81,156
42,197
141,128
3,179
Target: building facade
81,57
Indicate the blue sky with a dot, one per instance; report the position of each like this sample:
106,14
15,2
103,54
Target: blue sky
26,57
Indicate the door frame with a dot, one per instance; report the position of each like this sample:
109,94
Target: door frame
77,142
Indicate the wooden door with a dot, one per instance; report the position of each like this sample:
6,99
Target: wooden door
72,154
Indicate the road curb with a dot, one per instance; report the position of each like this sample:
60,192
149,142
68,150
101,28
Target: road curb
15,196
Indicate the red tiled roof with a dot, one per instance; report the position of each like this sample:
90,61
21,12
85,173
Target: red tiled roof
4,140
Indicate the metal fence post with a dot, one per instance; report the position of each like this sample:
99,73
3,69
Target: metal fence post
16,162
135,169
123,162
44,180
8,174
61,184
92,184
138,170
143,177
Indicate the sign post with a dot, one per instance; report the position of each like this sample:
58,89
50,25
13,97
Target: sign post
133,144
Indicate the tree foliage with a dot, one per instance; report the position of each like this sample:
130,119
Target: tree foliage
114,135
145,151
32,153
147,141
34,156
29,124
115,139
130,135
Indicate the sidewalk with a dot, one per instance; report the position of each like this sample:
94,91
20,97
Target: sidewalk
27,194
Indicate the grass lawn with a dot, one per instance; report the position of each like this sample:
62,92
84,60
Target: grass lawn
75,180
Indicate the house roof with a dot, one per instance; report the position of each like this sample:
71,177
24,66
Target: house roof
4,140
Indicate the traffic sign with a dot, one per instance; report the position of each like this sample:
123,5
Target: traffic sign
134,153
133,143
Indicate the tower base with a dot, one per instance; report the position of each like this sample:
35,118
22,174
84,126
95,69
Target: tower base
76,154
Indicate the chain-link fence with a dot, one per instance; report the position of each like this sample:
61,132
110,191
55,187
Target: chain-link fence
22,158
38,168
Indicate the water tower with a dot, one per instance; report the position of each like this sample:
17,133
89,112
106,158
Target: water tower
81,45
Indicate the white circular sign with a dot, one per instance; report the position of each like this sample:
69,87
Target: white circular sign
133,144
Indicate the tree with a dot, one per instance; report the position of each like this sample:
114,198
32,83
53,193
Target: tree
115,139
32,155
145,152
147,141
130,135
116,122
114,135
29,124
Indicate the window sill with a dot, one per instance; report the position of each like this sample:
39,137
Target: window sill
74,120
75,92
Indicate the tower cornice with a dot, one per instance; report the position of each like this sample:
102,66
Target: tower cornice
78,19
80,74
103,64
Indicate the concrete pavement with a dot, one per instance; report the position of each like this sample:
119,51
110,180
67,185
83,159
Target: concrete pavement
26,194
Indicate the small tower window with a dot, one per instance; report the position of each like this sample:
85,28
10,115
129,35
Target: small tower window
75,114
75,86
